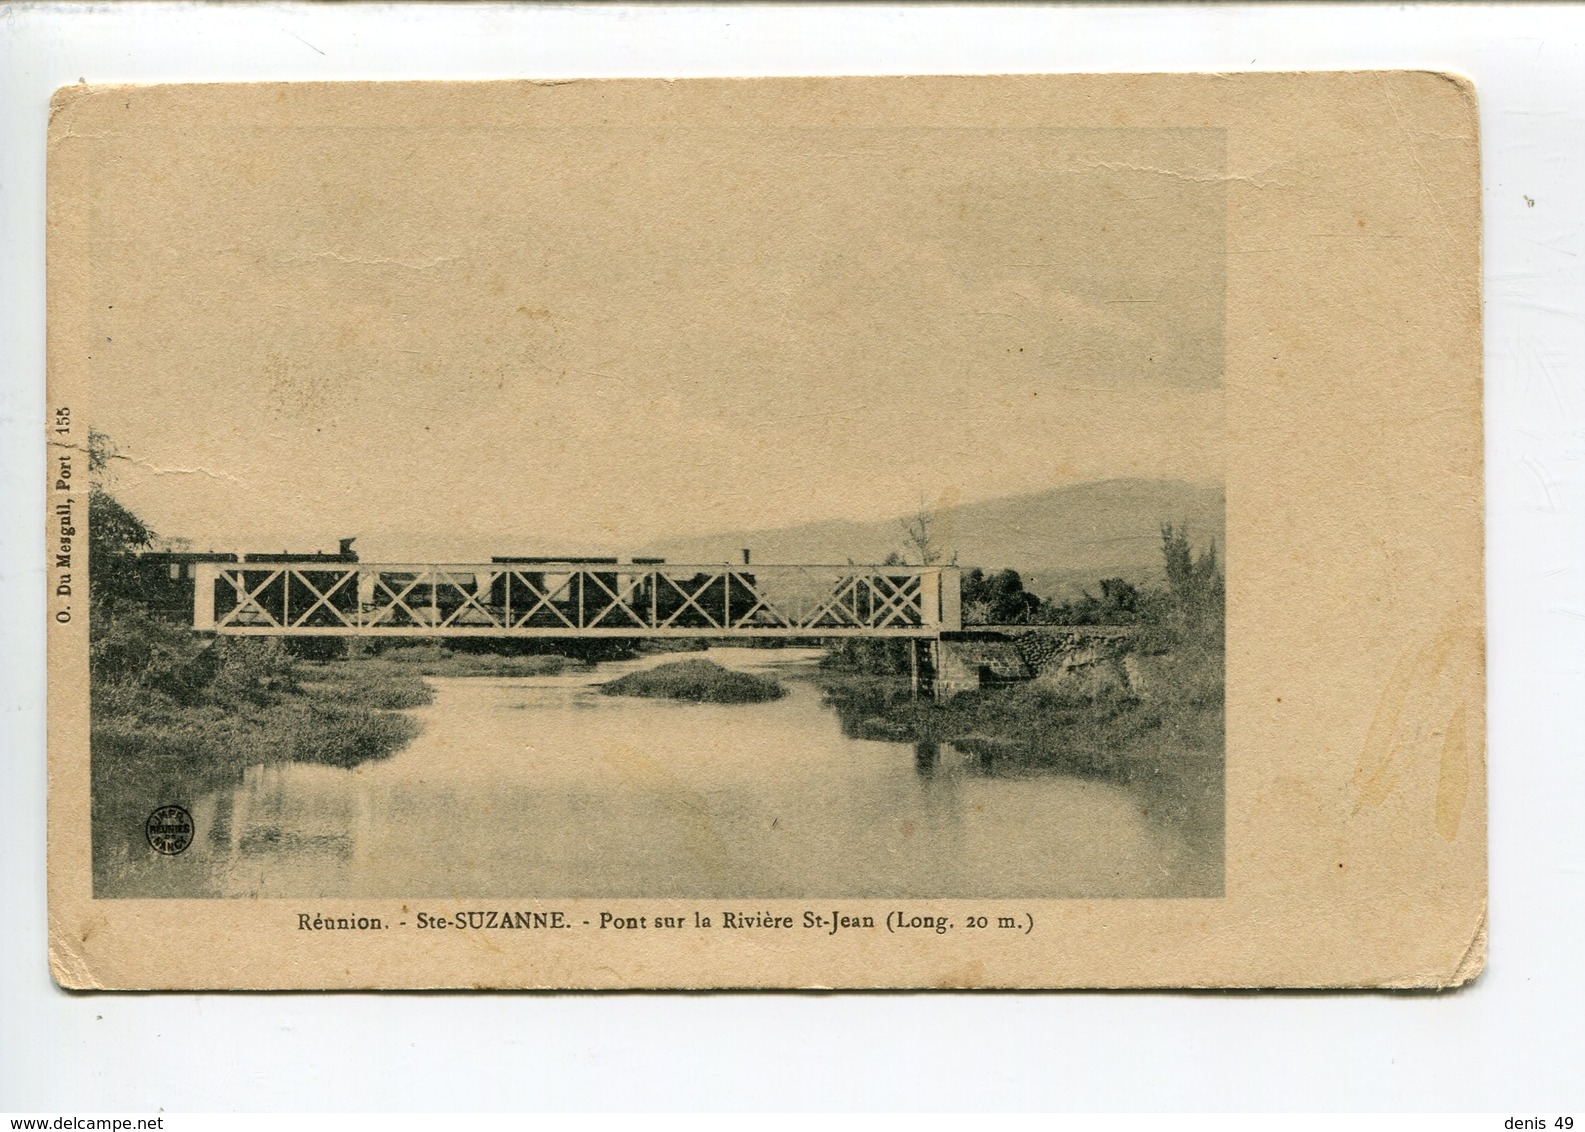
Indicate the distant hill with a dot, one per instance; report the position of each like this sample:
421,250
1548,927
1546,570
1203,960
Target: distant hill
1060,540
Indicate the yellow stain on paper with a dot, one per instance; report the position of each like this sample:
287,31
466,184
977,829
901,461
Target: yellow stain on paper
1421,722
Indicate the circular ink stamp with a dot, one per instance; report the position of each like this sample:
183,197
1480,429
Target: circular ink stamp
169,830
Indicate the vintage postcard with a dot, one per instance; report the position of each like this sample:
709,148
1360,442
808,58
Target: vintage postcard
950,532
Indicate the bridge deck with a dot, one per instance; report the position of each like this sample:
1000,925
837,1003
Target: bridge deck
573,599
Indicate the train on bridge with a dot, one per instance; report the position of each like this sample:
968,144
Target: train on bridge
336,594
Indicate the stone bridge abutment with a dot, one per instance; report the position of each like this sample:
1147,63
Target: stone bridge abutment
1086,658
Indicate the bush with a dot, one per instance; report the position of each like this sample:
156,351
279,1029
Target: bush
252,670
127,647
877,655
997,599
317,648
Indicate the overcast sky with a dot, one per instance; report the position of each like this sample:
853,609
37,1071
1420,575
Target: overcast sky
580,338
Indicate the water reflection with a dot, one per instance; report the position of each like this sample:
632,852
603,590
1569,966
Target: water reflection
542,787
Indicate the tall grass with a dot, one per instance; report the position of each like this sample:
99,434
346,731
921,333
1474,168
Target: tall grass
432,659
167,707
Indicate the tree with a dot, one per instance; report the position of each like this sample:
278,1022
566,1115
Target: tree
115,534
1195,584
1120,603
997,599
1179,558
1119,596
127,645
923,538
917,534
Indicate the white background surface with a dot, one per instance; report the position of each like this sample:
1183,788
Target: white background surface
1513,1042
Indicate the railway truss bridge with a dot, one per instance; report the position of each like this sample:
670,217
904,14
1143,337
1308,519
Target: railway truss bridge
570,599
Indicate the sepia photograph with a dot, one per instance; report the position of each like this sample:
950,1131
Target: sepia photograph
818,512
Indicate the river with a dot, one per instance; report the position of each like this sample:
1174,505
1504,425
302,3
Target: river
542,787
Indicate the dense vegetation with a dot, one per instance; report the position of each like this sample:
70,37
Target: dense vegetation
1193,595
1108,728
173,715
1185,613
698,681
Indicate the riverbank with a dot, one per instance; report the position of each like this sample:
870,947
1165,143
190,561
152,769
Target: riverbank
258,705
431,659
178,715
1034,725
687,801
1168,751
174,718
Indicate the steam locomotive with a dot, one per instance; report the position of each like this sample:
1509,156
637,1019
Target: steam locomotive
165,580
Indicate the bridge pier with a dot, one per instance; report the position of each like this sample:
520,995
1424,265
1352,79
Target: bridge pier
989,656
970,660
923,663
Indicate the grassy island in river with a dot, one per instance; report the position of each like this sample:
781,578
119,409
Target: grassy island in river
698,681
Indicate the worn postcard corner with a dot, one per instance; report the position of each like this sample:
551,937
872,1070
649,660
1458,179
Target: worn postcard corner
964,532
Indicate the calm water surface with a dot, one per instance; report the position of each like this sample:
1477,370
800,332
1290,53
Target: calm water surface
541,786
